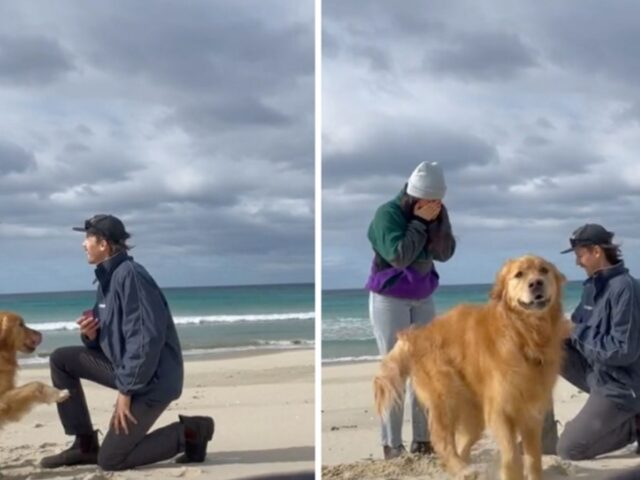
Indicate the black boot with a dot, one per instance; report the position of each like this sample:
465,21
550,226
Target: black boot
637,419
83,451
197,433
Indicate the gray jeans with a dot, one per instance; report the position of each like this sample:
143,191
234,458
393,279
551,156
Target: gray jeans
117,452
389,316
601,426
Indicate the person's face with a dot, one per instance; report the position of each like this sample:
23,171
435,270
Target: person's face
97,249
423,202
590,258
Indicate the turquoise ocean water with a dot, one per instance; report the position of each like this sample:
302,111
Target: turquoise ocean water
346,329
208,319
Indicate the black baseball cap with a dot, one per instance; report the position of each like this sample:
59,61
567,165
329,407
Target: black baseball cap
589,234
107,226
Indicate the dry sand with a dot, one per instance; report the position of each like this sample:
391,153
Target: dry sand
263,405
351,446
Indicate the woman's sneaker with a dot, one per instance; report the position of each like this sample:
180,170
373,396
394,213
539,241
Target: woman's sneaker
393,452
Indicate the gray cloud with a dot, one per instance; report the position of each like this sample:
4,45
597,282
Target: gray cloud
545,123
397,148
544,158
204,118
629,114
535,141
378,60
193,123
592,37
32,60
482,56
531,110
226,48
381,18
14,159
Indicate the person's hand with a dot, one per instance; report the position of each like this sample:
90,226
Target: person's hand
121,414
88,326
428,211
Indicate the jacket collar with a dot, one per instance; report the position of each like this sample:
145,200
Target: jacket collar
105,270
602,277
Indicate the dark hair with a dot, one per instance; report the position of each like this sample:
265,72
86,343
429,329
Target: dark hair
612,253
116,247
407,204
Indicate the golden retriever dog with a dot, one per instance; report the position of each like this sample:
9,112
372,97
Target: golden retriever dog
491,365
15,402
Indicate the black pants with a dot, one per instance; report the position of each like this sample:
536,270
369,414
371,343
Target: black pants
631,474
117,452
601,426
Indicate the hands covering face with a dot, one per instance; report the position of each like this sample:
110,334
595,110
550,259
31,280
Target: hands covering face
428,209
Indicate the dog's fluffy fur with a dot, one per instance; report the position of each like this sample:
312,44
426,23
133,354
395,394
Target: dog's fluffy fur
15,402
490,365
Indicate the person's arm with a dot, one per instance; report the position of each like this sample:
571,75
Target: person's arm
619,343
144,328
397,241
575,316
441,244
91,343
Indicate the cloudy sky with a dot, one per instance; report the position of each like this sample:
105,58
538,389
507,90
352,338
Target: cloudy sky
533,109
192,121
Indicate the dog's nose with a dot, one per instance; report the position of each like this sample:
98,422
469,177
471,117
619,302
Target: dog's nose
536,284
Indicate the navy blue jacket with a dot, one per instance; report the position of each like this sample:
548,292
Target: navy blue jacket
607,333
137,333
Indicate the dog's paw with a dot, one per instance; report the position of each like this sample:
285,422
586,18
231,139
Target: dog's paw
62,396
53,395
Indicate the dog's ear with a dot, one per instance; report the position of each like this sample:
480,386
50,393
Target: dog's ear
499,285
560,278
8,322
4,329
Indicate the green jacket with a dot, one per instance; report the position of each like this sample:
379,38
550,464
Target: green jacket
405,247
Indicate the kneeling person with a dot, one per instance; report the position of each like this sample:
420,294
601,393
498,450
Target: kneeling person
130,345
603,353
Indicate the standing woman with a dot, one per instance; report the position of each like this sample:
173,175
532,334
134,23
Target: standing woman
407,234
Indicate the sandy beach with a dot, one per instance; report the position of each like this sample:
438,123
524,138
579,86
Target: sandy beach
262,403
351,446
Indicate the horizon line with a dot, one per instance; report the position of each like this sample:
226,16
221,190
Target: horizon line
441,285
284,284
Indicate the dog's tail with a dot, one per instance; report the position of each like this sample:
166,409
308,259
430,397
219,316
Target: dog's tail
389,383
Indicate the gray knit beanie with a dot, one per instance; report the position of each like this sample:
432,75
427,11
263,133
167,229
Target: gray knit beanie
427,182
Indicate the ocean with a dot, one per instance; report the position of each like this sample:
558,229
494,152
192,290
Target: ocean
346,330
208,319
